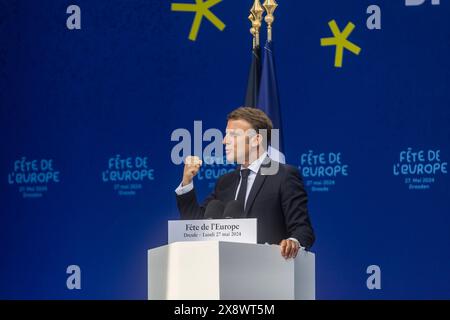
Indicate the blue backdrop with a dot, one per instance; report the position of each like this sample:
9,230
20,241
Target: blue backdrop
371,138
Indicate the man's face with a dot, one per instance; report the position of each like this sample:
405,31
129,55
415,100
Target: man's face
238,141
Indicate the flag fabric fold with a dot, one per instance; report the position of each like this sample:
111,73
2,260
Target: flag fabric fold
254,79
269,101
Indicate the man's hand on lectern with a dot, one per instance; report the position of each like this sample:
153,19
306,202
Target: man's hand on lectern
191,167
289,248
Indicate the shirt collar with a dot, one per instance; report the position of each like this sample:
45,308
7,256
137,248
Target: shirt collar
255,165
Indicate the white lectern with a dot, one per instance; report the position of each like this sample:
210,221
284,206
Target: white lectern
211,270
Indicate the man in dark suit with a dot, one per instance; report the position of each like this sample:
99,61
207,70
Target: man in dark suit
268,190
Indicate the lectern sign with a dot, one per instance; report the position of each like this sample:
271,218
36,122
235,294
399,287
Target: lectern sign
231,230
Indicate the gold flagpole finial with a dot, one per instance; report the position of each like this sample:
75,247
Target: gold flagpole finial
270,6
255,17
252,29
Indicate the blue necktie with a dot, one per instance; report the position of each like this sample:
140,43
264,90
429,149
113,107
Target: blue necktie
243,188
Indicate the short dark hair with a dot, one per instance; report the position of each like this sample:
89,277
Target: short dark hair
256,117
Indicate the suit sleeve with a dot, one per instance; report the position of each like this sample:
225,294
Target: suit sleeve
189,207
294,202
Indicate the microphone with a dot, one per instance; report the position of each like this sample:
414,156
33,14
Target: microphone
234,209
214,210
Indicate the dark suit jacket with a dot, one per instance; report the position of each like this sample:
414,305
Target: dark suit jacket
278,201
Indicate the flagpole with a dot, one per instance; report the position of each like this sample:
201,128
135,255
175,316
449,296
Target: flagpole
255,17
270,6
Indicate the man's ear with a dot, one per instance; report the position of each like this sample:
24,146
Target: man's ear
257,140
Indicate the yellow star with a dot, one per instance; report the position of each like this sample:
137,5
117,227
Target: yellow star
201,9
340,41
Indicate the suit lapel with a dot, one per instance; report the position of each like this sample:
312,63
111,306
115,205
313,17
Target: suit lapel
230,191
257,184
